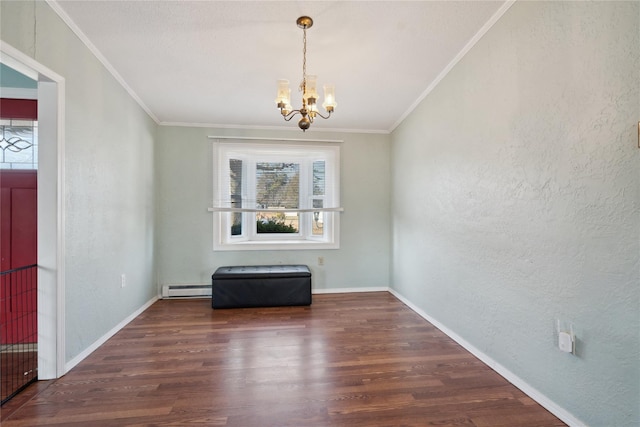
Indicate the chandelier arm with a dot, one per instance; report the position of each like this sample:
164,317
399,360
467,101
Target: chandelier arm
319,114
291,115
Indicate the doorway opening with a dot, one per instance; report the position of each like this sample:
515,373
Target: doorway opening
18,237
46,180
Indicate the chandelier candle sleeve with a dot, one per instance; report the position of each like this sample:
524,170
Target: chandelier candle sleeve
309,109
329,98
311,95
283,98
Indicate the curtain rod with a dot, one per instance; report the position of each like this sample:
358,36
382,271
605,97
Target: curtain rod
252,138
276,210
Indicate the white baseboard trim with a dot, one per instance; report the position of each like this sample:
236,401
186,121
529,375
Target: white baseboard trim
543,400
93,347
348,290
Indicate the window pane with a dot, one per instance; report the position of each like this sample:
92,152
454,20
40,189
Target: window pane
18,144
277,185
317,226
277,222
235,190
319,178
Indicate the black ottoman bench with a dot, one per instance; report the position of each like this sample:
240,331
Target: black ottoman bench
261,286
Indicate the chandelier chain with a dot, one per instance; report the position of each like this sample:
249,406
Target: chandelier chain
303,85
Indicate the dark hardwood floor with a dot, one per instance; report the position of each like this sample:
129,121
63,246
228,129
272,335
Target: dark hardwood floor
360,359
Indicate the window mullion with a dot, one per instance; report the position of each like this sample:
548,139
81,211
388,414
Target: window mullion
222,184
303,197
251,197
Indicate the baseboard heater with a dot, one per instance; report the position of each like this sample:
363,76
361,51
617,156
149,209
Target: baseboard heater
186,291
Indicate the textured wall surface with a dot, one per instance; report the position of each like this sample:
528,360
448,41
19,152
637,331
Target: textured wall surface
185,227
516,196
109,178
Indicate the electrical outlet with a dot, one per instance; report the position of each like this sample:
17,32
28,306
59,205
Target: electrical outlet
320,260
123,280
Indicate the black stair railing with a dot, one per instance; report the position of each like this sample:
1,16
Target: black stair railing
18,330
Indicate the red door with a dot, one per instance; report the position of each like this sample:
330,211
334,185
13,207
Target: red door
18,248
18,240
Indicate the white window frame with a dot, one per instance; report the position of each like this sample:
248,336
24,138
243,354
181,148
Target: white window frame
255,152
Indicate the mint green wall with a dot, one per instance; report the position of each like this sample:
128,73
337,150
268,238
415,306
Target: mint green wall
516,201
185,191
109,166
11,78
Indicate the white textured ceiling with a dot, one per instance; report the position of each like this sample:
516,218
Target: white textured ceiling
217,62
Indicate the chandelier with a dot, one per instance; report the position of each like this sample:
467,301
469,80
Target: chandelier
309,109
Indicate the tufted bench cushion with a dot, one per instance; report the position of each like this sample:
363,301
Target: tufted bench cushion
261,286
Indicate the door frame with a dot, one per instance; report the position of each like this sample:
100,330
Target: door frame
51,209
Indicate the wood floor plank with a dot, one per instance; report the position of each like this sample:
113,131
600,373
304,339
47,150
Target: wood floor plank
360,359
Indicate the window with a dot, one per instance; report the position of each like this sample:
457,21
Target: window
18,144
276,196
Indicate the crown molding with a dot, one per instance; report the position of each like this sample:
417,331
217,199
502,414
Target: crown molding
271,128
470,44
257,138
96,52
